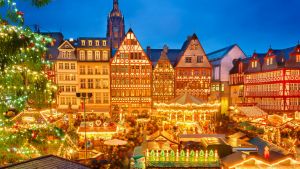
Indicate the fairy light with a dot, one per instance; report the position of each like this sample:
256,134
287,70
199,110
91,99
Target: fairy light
28,63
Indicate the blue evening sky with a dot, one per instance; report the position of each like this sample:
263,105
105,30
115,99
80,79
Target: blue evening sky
253,24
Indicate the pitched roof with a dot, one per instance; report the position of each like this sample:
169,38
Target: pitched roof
261,144
47,162
154,55
252,112
186,99
236,62
164,134
219,54
58,39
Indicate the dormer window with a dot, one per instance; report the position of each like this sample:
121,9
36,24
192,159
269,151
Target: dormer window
297,58
90,43
254,64
97,42
104,43
82,42
269,61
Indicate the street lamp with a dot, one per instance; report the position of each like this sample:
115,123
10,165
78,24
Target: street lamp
84,96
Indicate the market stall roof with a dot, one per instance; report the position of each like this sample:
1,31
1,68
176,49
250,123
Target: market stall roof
138,152
232,159
99,130
153,146
197,137
115,142
186,99
261,144
47,162
238,159
162,135
237,135
252,111
30,117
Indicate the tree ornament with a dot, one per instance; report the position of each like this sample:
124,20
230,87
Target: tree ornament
20,13
31,45
22,36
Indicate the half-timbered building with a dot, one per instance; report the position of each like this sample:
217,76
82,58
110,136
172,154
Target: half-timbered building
193,70
131,77
270,80
163,79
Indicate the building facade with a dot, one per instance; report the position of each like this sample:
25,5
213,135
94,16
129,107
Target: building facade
66,75
131,78
93,72
163,79
236,81
193,70
270,80
222,62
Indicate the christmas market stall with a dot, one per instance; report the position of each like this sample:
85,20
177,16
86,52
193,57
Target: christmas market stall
247,113
189,113
163,150
97,130
32,118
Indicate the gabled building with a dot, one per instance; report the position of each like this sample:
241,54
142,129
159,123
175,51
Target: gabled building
131,77
94,72
193,70
66,75
221,61
163,79
271,80
115,27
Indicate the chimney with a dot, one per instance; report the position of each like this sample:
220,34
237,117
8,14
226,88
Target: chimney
166,48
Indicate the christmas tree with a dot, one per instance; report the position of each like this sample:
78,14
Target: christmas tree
24,84
22,77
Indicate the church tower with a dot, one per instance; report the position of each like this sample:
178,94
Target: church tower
115,27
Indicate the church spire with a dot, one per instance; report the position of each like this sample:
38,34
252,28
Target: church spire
116,5
115,26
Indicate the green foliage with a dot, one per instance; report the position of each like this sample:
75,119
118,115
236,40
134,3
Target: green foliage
22,77
13,14
40,3
21,144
